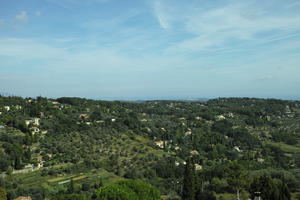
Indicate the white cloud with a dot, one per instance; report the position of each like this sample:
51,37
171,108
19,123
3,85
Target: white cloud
22,16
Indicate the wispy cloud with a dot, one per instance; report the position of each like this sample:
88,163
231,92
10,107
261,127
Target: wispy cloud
226,24
22,16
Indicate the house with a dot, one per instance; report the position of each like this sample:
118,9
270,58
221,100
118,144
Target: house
177,148
198,167
230,115
160,144
220,117
144,120
18,107
238,149
35,122
194,152
113,120
163,129
7,108
177,163
189,132
23,198
1,126
83,116
88,123
260,160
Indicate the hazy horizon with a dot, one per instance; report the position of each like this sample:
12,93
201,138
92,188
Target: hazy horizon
150,49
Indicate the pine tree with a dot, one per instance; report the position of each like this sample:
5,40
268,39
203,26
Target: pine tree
188,192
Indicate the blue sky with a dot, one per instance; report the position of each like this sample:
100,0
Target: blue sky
150,49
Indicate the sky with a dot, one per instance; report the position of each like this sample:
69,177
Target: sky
150,49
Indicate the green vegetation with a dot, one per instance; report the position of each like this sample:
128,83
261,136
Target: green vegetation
128,190
73,148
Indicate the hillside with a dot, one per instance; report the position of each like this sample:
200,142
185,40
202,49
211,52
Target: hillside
47,143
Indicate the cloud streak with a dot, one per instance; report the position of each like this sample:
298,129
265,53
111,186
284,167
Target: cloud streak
227,24
22,16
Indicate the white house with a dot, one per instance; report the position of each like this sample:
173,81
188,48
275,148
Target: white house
237,149
18,107
160,144
198,167
7,108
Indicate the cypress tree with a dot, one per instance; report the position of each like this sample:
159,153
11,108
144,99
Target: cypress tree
188,191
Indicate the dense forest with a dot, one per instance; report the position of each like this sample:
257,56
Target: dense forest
75,148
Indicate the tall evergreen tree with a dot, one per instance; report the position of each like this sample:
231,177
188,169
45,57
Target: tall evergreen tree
71,187
188,192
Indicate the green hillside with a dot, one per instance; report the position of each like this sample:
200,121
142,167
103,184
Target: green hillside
49,145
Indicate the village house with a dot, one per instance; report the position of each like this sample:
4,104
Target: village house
198,167
34,121
113,120
83,116
189,132
194,152
230,115
23,198
177,148
7,108
220,117
160,144
163,129
238,149
18,107
260,160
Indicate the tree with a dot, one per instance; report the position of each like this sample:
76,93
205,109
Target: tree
128,190
3,194
71,187
236,177
264,187
188,191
